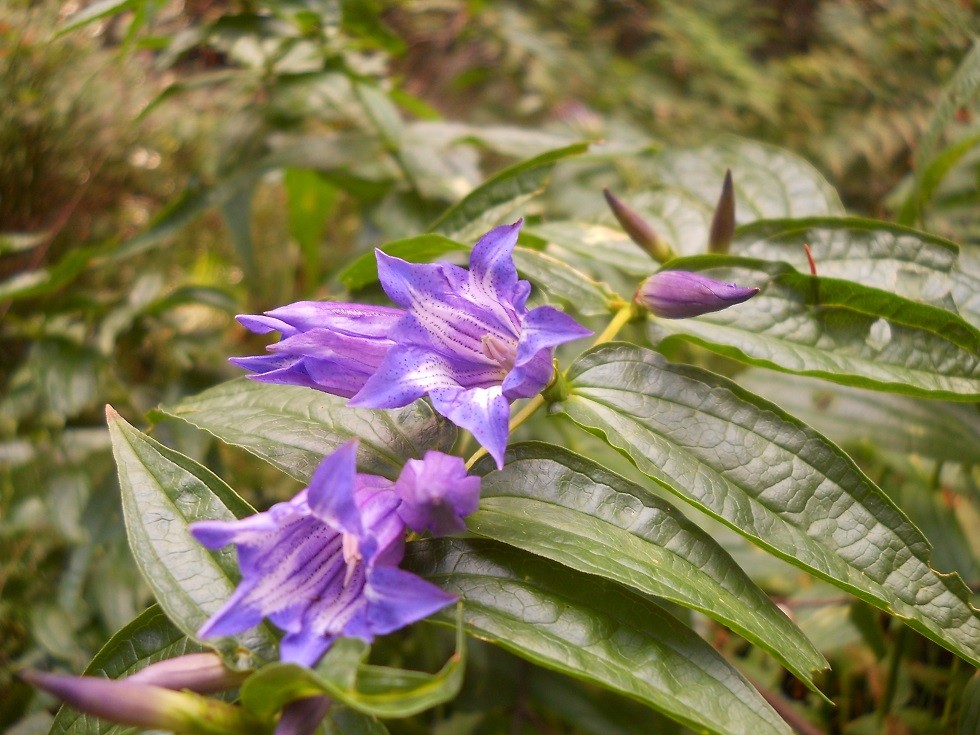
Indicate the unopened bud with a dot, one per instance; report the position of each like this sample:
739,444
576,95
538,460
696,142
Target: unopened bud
682,294
639,231
723,223
144,705
203,673
302,716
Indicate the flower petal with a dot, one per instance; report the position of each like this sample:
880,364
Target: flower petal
331,493
544,328
436,493
396,598
493,279
484,412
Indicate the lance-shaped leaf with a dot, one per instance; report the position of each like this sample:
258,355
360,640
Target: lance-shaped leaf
162,492
293,428
491,202
380,691
595,630
944,431
837,330
903,261
771,478
149,638
565,507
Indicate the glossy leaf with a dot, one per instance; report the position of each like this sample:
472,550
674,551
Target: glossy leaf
944,431
293,428
162,492
374,690
836,330
906,262
564,507
594,630
150,638
570,286
771,478
489,204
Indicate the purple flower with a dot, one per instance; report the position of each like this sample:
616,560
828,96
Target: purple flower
682,294
467,339
324,564
330,346
436,493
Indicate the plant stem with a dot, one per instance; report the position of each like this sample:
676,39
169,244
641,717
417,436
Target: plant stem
623,315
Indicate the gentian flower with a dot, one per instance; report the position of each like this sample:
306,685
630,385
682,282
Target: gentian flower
330,346
436,493
324,564
464,338
468,340
682,294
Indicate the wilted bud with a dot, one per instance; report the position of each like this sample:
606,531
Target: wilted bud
203,673
143,705
682,294
723,223
639,231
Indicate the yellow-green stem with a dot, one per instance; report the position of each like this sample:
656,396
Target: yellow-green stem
624,315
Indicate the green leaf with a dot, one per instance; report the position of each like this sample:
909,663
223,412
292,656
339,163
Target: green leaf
293,427
93,12
906,262
564,507
236,211
944,431
970,709
570,286
150,638
594,630
500,195
310,199
773,479
960,91
420,249
162,492
836,330
374,690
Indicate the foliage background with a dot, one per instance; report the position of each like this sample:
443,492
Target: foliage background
168,165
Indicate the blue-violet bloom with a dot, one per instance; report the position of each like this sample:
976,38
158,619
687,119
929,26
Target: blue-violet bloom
682,294
330,346
463,337
436,493
468,340
325,564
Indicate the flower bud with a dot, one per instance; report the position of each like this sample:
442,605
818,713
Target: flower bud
203,673
143,705
682,294
723,223
639,231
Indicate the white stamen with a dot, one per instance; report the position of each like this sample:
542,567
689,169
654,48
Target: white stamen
352,555
501,351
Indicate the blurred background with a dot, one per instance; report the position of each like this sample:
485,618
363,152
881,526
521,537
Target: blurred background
166,165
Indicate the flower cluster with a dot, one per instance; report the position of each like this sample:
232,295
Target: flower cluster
325,564
465,338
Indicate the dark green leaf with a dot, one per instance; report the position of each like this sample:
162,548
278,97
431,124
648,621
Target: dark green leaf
945,431
771,478
594,630
293,427
571,287
487,205
375,690
162,492
420,249
309,200
565,507
149,638
906,262
836,330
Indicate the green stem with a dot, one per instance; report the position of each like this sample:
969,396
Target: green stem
622,317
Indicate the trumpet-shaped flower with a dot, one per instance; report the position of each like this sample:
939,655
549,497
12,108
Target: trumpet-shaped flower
467,340
463,337
324,564
682,294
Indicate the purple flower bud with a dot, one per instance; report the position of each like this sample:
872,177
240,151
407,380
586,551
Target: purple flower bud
436,493
142,705
203,673
639,231
302,716
682,294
